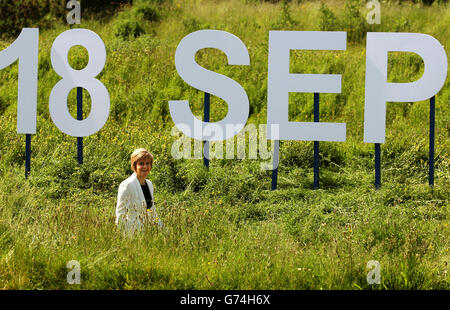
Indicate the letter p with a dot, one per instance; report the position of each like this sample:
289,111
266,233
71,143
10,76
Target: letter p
378,91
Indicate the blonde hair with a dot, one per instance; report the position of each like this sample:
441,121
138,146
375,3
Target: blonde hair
139,154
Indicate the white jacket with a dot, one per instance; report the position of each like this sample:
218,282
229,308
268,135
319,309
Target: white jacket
131,209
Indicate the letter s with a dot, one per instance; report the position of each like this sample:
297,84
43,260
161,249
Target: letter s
210,82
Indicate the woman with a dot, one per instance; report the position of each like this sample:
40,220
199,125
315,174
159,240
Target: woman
135,204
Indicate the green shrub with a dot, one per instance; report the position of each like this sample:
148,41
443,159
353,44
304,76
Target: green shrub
284,19
194,174
127,29
166,173
96,6
328,20
353,23
15,15
147,12
192,24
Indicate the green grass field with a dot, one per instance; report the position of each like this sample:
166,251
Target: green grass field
224,227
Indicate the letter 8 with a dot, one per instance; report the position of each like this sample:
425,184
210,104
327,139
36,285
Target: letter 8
79,78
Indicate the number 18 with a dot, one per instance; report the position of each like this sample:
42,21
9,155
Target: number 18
25,49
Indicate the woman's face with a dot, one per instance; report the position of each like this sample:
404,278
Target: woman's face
143,167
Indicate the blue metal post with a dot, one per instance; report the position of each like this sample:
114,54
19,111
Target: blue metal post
206,119
80,117
377,166
274,178
316,143
27,154
276,152
431,155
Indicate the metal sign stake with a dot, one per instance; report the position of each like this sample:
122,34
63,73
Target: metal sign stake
206,119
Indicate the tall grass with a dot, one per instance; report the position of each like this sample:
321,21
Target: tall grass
224,228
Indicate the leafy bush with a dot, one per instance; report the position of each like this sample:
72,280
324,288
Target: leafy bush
15,15
127,29
328,21
96,6
284,20
192,24
353,23
147,12
194,174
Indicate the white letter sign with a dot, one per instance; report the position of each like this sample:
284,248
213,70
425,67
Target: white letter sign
379,91
79,78
210,82
281,83
25,48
